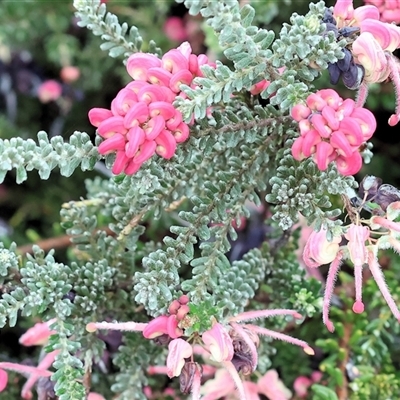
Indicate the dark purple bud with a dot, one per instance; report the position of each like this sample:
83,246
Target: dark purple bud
162,340
387,194
334,73
242,363
353,77
45,389
344,63
328,17
187,376
369,187
332,28
348,31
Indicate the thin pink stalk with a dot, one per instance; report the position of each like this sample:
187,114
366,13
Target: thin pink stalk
116,326
281,336
254,355
24,369
385,223
395,77
362,95
196,384
329,286
358,306
236,378
45,364
376,272
251,315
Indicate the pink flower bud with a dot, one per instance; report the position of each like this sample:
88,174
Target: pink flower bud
318,250
330,117
166,144
132,167
172,326
182,312
340,142
181,77
159,76
110,126
331,97
381,32
113,143
184,299
150,93
299,112
146,150
154,126
174,61
297,151
315,102
366,12
181,133
366,120
178,350
125,99
320,124
349,165
98,115
135,86
175,121
343,9
261,86
351,128
218,343
174,29
174,307
136,115
157,327
301,385
310,141
136,137
121,161
138,65
166,110
324,154
38,335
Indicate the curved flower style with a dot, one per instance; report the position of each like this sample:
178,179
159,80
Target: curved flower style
371,43
361,249
230,343
142,120
332,130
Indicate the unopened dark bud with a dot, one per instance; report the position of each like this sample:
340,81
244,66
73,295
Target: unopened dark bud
242,363
186,378
328,17
348,31
332,28
369,187
334,73
344,63
387,194
353,77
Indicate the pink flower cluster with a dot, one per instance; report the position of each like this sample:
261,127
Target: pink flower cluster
332,129
230,343
142,120
362,250
373,48
389,9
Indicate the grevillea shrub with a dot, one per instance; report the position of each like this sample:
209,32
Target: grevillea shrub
233,242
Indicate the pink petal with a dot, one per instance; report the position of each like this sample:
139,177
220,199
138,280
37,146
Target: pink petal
175,121
322,155
310,141
299,112
185,49
297,147
345,109
136,115
154,126
150,93
340,142
379,30
320,124
331,97
174,61
352,129
172,326
159,76
110,126
146,150
181,133
124,100
132,168
38,335
364,13
138,65
156,327
343,9
193,64
135,86
349,165
315,102
113,143
329,113
181,77
218,343
366,120
121,160
178,350
166,110
98,115
166,144
136,137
